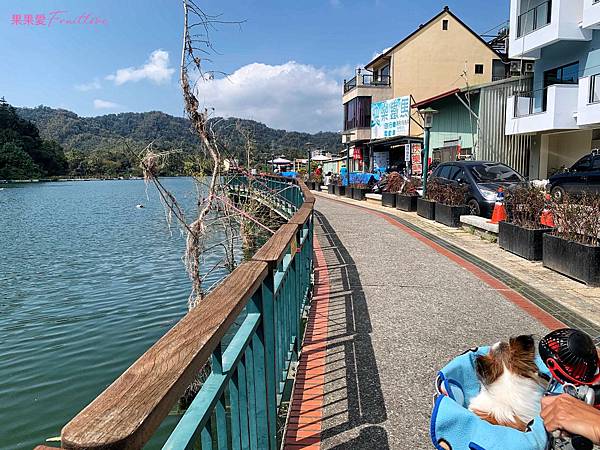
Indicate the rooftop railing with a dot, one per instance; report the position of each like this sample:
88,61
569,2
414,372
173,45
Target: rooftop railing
237,404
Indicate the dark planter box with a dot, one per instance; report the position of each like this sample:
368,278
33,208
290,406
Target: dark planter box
406,202
388,199
521,241
349,192
426,208
331,188
310,185
578,261
450,215
340,190
359,193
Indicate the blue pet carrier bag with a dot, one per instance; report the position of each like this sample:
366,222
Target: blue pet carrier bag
458,428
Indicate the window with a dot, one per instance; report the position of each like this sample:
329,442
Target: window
357,113
444,24
444,172
454,172
583,165
479,68
594,89
568,74
492,172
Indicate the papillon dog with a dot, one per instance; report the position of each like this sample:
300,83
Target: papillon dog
511,387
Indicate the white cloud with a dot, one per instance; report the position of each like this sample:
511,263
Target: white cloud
104,104
291,96
156,69
84,87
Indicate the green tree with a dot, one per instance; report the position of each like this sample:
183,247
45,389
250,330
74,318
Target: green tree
15,163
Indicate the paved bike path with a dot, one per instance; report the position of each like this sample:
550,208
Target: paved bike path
390,311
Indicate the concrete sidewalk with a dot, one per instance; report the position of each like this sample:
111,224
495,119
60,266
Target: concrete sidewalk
575,297
398,308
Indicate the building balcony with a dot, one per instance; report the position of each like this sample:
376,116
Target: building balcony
550,109
588,104
591,14
548,22
366,85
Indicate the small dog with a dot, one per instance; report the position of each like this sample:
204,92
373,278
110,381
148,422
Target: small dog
511,387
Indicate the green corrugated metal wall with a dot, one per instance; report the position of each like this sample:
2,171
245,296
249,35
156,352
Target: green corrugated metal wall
454,121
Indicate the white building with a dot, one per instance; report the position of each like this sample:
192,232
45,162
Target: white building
562,39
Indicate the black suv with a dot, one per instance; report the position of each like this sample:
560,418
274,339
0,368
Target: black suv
583,176
483,178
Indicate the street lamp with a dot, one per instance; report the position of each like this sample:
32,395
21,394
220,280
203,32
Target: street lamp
308,146
347,136
427,114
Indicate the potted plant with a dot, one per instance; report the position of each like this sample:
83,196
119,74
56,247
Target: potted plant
338,188
393,184
359,190
521,233
451,204
406,198
426,206
316,181
331,188
573,247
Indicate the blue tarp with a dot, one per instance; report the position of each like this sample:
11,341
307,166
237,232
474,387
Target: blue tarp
358,177
289,174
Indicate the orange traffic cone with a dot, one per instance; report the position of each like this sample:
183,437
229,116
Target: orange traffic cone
547,218
499,213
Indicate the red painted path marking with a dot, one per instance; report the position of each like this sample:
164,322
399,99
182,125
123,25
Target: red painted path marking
306,414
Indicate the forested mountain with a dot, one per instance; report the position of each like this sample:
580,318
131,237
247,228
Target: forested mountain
23,153
95,146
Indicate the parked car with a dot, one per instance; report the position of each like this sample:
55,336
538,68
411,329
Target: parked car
584,175
483,178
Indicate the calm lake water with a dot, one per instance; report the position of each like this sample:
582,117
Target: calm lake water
88,282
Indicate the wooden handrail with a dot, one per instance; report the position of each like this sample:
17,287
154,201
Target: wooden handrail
126,414
274,249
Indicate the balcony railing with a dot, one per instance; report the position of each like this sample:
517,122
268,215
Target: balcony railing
349,85
376,80
534,18
367,80
528,103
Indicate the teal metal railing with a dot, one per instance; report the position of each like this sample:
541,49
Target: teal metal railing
237,405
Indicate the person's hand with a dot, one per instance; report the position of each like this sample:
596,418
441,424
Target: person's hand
566,413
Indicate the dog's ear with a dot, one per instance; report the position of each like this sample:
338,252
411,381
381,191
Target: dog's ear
484,368
522,344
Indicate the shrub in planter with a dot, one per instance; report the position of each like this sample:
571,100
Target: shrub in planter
340,190
359,191
349,193
426,206
406,198
522,233
573,248
450,204
393,183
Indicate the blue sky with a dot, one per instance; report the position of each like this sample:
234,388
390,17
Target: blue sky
286,61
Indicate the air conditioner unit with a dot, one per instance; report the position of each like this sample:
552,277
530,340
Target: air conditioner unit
528,67
515,67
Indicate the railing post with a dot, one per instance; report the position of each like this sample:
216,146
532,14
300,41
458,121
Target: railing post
264,357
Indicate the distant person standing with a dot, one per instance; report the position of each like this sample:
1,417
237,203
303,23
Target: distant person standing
327,179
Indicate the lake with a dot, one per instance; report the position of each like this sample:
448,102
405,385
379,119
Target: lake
88,282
